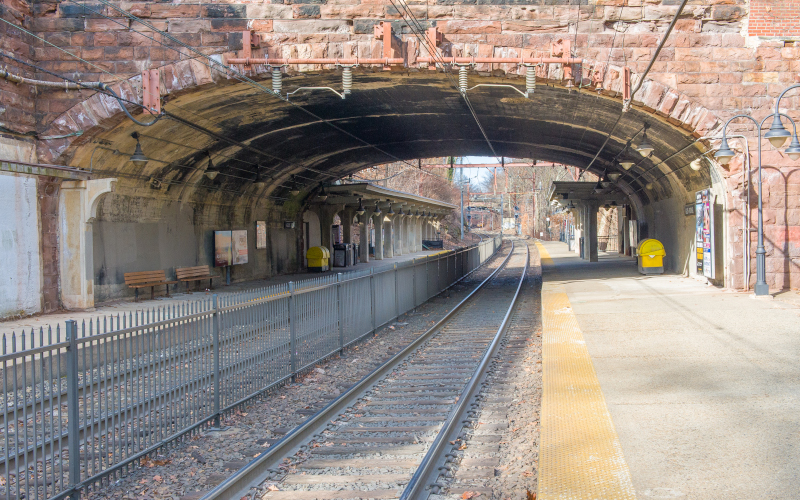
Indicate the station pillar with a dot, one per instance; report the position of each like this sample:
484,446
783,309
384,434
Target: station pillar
590,223
388,237
377,222
398,234
578,214
363,241
347,224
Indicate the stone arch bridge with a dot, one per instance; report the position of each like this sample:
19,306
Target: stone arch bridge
212,68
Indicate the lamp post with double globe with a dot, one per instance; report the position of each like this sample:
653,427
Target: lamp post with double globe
776,135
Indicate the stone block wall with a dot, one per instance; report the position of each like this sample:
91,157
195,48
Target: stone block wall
724,57
17,102
774,18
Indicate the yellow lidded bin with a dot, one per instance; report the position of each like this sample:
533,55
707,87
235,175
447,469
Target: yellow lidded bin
651,256
319,259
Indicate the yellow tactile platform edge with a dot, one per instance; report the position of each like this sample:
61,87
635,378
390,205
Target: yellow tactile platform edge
580,456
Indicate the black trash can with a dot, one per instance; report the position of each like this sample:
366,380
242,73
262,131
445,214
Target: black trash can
580,242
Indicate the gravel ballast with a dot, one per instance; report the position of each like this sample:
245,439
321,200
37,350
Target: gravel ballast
195,465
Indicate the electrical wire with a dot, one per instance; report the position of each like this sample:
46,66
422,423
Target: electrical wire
228,70
416,28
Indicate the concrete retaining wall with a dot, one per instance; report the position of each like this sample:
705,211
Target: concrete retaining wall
21,276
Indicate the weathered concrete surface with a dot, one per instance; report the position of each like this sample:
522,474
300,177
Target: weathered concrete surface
701,384
20,264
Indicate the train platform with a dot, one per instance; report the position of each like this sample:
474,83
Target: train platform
662,387
178,295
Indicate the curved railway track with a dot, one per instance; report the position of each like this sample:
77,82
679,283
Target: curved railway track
392,434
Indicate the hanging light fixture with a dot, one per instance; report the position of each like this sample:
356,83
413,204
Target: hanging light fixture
725,154
377,208
614,176
417,214
649,186
613,203
793,151
604,182
391,208
138,158
360,209
211,170
644,147
570,205
696,164
598,187
259,182
322,194
777,134
401,211
294,191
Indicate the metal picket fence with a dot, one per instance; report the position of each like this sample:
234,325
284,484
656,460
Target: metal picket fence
83,409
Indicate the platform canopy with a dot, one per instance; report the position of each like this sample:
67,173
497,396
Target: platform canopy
564,192
370,194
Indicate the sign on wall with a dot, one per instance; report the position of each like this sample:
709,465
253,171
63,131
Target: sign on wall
261,234
704,233
222,248
230,248
239,247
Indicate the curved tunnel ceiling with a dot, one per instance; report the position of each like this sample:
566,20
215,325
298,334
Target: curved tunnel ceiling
407,115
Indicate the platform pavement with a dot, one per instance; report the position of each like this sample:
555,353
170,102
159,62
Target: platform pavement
127,305
701,384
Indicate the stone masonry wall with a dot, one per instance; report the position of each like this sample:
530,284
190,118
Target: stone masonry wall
17,103
774,18
713,59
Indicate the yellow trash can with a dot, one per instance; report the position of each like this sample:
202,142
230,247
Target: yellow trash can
651,256
319,259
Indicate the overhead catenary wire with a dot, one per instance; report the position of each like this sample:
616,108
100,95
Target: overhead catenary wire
227,71
416,28
239,76
641,78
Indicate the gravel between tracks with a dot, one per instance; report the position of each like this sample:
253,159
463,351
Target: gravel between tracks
501,454
195,465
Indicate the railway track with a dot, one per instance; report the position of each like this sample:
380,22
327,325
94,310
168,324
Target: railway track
393,434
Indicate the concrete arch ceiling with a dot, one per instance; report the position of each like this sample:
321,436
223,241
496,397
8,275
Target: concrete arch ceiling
408,115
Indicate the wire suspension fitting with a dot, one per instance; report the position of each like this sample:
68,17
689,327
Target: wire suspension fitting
347,80
530,80
463,80
277,79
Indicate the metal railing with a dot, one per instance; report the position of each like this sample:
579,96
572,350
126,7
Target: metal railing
608,243
81,411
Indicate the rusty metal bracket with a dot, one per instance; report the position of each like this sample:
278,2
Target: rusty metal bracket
383,31
435,36
151,90
626,89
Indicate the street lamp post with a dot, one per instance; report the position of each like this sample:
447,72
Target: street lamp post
777,136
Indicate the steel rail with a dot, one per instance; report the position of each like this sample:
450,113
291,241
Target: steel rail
436,457
258,470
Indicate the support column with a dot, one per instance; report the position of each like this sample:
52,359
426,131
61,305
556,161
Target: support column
326,215
620,230
398,234
627,231
577,213
407,234
77,210
377,222
591,230
363,242
347,224
388,237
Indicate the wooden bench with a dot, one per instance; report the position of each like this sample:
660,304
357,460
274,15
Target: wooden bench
196,273
144,279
